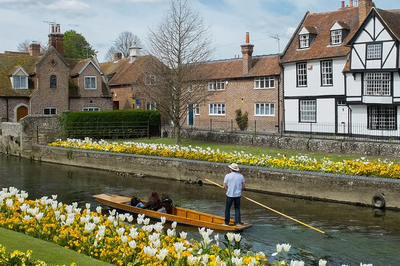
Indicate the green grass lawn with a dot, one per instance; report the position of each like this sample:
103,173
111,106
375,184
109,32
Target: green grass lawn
50,253
256,150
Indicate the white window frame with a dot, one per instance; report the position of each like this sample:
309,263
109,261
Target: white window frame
377,84
304,41
336,37
216,85
151,105
308,111
91,109
327,73
20,82
196,109
382,117
301,74
49,111
264,83
151,80
264,109
217,109
90,82
374,51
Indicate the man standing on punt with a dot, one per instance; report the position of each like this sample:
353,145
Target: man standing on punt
234,185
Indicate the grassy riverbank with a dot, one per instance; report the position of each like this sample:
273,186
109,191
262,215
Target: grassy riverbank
50,253
255,150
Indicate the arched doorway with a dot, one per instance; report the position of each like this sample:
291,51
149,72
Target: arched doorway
22,111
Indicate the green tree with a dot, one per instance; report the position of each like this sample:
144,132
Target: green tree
241,119
76,46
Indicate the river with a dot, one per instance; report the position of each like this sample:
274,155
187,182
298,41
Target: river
358,234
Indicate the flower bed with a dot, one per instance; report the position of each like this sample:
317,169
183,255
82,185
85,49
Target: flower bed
360,167
113,238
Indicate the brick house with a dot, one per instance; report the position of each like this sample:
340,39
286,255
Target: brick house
251,84
126,78
48,84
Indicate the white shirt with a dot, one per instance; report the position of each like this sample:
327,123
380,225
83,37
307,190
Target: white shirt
234,181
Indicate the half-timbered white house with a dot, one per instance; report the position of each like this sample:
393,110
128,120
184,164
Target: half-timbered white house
313,61
372,76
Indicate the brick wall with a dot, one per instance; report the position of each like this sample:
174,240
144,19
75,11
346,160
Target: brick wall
44,96
240,94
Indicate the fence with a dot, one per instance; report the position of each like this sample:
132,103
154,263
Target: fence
230,125
343,131
108,130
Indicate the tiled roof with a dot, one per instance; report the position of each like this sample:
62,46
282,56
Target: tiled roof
123,72
9,62
320,47
267,65
392,20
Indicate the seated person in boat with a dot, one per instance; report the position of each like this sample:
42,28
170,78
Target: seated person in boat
166,204
154,202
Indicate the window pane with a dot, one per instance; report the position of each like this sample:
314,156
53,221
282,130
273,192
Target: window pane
307,111
302,75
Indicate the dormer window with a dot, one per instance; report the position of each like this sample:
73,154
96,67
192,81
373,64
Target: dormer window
336,37
307,36
304,40
20,80
339,31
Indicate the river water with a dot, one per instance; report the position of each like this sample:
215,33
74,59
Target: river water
358,234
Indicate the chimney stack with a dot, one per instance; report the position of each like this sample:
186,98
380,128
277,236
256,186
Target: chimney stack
56,38
134,52
117,56
247,52
34,49
364,6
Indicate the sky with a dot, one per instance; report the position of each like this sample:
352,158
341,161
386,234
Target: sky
270,23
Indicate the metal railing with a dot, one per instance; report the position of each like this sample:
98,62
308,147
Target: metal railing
343,131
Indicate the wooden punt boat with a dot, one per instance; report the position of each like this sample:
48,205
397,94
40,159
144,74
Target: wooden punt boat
179,215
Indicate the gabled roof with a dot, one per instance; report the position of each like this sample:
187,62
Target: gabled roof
123,72
266,65
320,47
392,20
9,63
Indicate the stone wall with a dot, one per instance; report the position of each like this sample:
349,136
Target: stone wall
299,143
309,185
17,138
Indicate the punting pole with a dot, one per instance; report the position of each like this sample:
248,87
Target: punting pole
275,211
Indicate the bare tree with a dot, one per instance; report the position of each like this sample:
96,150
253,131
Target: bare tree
24,46
181,43
122,44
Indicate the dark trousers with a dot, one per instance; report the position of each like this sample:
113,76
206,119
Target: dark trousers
229,201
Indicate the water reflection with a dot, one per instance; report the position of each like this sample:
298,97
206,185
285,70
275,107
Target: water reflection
359,234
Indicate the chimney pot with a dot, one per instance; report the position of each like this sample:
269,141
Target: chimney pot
342,4
247,37
351,3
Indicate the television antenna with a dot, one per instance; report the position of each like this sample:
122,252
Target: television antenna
278,40
50,23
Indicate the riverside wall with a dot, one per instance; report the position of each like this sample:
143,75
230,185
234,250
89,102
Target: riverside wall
308,185
29,139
